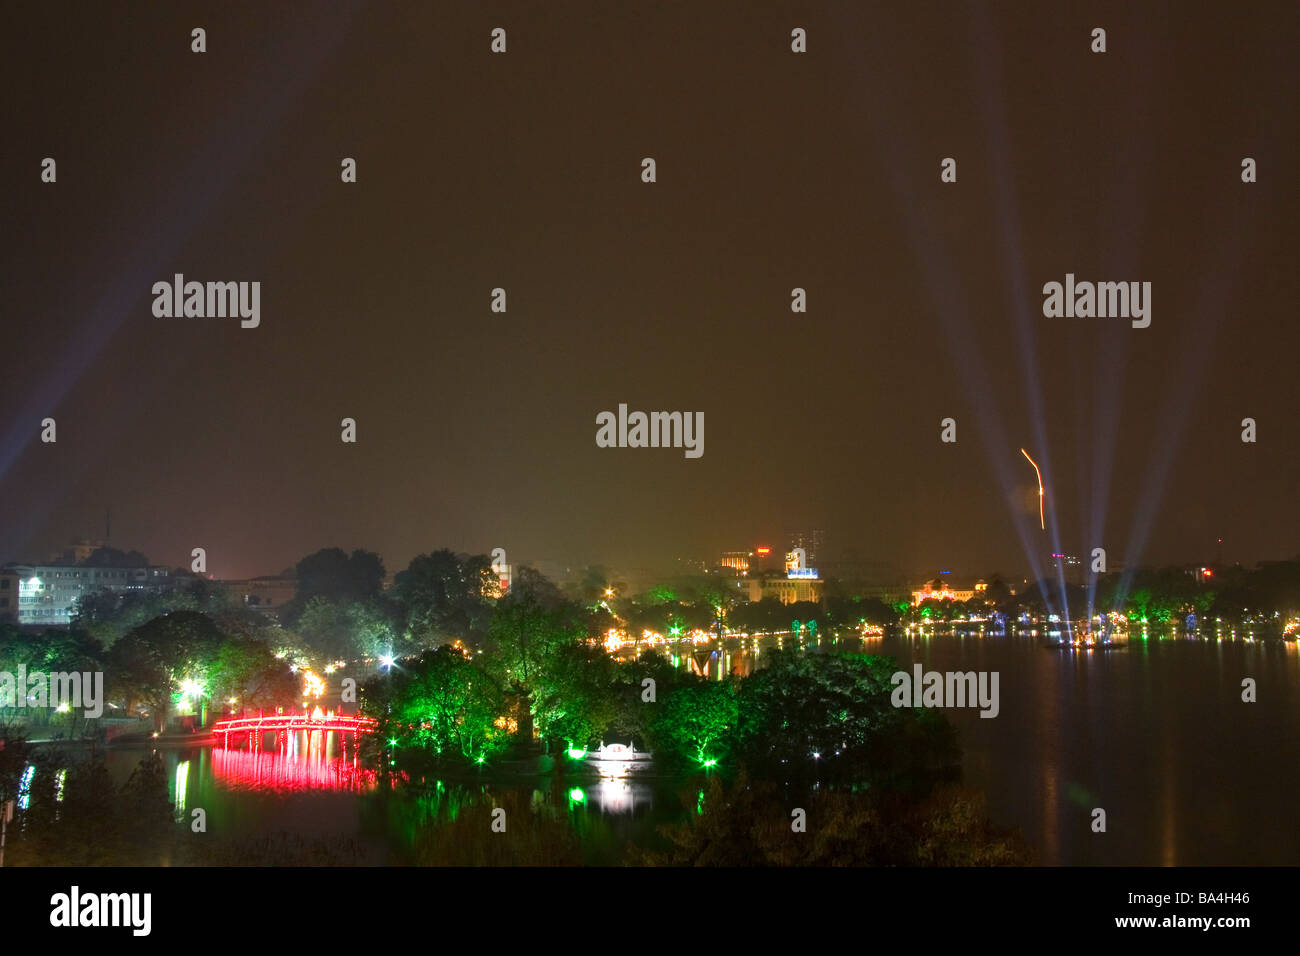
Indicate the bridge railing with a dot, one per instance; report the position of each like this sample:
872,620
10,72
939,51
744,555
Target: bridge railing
338,722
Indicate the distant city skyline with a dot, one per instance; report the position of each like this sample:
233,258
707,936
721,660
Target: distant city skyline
844,565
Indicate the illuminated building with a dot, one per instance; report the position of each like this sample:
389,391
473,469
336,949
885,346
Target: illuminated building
48,593
737,561
785,590
810,542
939,590
801,583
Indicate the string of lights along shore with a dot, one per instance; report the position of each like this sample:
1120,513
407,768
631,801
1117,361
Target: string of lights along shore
363,510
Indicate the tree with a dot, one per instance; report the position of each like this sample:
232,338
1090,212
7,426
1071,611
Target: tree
594,583
748,824
159,660
347,630
439,702
442,597
998,593
830,716
15,754
807,611
113,558
249,671
326,630
333,574
373,632
530,585
524,638
106,615
53,649
578,697
697,721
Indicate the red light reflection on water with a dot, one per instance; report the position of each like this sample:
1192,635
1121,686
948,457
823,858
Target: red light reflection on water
291,770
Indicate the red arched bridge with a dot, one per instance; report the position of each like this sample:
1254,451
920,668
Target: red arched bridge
292,723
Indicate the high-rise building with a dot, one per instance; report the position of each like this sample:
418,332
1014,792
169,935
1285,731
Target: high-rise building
812,542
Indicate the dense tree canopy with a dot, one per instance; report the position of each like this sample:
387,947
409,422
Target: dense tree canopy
106,615
830,717
333,574
444,598
442,702
154,661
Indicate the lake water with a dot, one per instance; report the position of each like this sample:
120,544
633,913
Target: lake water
1155,734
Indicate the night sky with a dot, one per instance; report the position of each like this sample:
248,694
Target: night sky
775,170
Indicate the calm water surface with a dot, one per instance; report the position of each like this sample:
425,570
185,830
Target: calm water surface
1155,734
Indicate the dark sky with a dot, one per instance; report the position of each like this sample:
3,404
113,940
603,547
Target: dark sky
775,170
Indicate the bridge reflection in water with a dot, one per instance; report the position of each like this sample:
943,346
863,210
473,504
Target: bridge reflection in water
309,752
288,772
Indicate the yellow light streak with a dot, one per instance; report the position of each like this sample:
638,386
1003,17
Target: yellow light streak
1041,521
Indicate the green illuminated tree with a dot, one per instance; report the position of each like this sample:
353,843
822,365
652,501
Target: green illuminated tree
439,702
249,671
524,639
153,661
580,696
696,721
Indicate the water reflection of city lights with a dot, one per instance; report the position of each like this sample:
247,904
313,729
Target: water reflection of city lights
182,780
25,786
